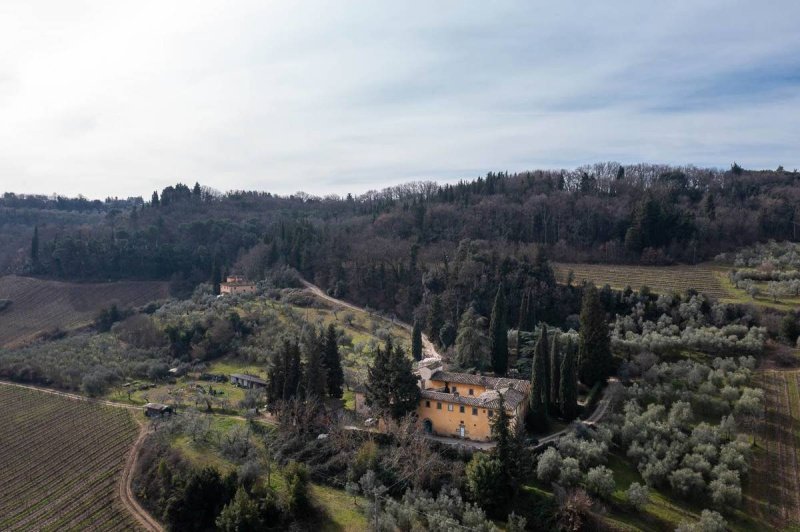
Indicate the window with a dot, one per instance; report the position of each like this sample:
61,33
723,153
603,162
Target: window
455,390
471,391
491,413
449,408
461,409
474,411
438,406
427,404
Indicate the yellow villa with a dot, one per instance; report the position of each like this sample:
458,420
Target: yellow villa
462,405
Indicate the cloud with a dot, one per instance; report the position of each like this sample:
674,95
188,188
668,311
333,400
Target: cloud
120,99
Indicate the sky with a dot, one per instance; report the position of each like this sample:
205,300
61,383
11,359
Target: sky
110,98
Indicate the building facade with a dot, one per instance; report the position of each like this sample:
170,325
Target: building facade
236,284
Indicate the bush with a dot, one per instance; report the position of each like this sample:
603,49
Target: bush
600,481
710,521
570,474
637,495
549,465
486,481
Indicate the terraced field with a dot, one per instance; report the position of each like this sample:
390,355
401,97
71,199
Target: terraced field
660,279
773,491
61,461
39,305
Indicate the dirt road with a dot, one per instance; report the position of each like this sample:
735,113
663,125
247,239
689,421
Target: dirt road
428,349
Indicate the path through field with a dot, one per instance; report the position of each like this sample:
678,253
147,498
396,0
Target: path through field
428,348
39,305
773,489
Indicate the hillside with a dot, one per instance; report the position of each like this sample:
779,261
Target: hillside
40,305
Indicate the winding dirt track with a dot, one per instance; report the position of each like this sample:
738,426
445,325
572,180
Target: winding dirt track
125,489
427,346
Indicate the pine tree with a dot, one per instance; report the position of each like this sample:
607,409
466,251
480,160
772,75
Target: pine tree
196,192
315,376
498,334
435,318
333,363
416,341
594,354
537,410
555,373
379,380
154,199
568,385
404,385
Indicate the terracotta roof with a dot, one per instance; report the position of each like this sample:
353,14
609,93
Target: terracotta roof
489,399
494,383
514,391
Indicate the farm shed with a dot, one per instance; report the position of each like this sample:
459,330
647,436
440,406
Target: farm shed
247,381
157,410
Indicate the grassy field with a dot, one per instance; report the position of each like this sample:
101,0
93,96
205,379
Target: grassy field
61,461
660,279
39,305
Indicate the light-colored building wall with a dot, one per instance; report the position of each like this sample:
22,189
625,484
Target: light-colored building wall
448,420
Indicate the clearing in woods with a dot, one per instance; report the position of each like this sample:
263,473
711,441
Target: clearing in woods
61,462
39,305
772,493
660,279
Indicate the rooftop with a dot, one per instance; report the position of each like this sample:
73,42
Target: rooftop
245,377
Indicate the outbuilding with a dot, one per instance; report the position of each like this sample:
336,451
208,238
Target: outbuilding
247,381
157,410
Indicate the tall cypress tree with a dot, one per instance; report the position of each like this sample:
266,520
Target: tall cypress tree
537,410
498,334
404,387
504,439
379,380
523,323
546,398
568,385
315,375
416,341
555,373
216,276
333,363
594,355
35,249
435,318
293,384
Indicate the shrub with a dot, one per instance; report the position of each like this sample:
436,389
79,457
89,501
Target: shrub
637,495
570,474
549,465
600,481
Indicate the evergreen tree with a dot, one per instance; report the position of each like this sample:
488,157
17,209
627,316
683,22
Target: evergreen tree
594,349
525,322
154,199
471,342
405,387
333,363
498,334
435,318
501,431
196,192
391,384
448,334
546,348
537,409
35,248
315,375
379,379
555,372
416,341
293,383
216,277
568,384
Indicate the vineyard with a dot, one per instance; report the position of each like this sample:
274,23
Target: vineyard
38,305
660,279
61,462
773,494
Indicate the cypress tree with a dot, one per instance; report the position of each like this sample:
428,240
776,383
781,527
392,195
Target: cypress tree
568,385
501,432
35,248
435,318
333,363
216,277
537,410
594,355
546,398
154,199
293,384
555,373
524,312
416,341
498,334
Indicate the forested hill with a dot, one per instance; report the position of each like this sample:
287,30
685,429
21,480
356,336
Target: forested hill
383,248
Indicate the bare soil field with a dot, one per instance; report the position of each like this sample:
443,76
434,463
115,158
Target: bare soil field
772,493
40,305
660,279
62,462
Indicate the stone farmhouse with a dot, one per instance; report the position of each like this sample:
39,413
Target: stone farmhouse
236,284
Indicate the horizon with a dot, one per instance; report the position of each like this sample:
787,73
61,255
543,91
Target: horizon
105,100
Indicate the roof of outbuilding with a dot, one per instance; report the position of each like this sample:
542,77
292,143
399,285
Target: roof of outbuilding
251,378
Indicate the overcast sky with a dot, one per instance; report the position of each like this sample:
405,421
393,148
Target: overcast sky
121,98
